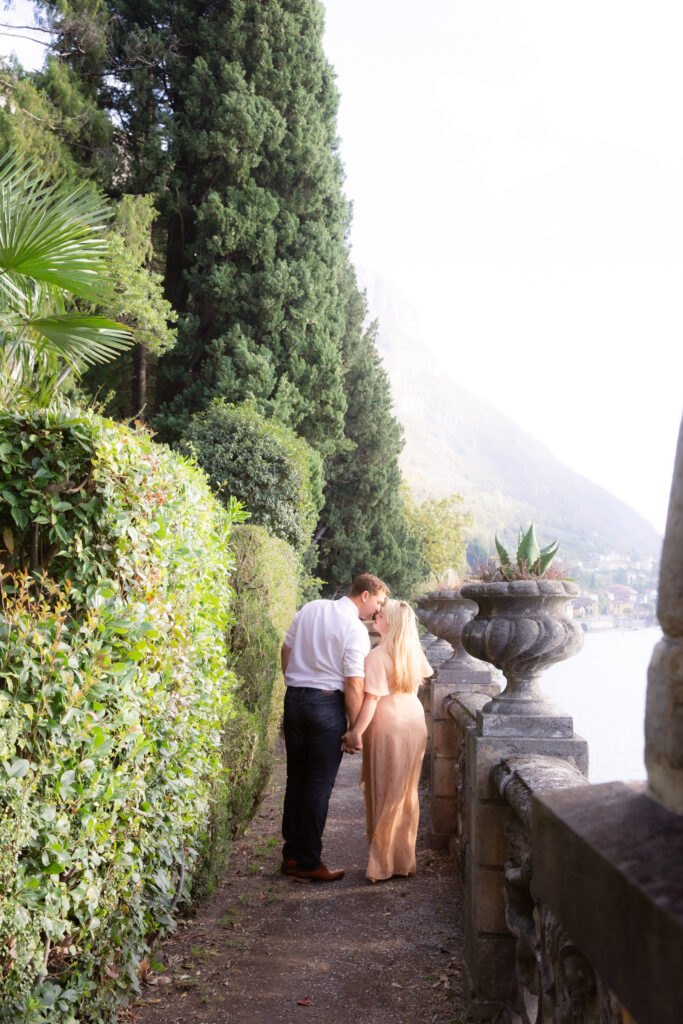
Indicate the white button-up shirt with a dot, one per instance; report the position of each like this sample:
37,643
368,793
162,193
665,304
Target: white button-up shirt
327,642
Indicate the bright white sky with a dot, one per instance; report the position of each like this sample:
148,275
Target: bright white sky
516,171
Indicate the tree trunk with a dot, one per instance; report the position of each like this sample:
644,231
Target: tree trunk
139,394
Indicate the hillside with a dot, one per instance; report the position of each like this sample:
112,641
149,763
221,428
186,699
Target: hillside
457,442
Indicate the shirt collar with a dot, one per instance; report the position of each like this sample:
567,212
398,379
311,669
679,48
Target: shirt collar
349,605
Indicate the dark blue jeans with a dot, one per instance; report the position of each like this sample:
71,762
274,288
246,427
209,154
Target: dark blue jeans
314,723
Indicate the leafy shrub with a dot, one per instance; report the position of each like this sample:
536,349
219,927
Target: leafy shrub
265,579
115,688
273,472
441,526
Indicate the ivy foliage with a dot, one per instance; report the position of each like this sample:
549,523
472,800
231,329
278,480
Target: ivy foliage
114,691
274,473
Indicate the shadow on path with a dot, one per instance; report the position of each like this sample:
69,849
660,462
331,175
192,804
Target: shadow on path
265,949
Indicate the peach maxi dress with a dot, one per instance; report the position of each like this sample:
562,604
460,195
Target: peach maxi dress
393,748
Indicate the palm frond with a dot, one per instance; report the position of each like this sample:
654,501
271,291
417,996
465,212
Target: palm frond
50,235
75,337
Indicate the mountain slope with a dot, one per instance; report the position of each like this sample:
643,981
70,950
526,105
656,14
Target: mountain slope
456,442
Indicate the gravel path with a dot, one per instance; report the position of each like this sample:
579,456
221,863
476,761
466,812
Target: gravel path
266,949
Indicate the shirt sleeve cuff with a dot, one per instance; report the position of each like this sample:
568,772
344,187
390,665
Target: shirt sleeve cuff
354,664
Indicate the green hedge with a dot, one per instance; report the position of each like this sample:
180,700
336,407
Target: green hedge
114,691
264,579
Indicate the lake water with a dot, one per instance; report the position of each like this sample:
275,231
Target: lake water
603,688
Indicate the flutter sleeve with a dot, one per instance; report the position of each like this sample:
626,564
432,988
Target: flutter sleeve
376,674
427,669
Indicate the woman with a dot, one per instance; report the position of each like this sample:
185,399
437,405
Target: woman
391,723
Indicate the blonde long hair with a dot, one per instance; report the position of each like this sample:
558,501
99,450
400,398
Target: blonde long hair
402,643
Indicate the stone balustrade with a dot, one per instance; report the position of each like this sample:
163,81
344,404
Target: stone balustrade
573,892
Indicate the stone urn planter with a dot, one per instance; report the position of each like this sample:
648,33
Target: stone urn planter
522,627
445,613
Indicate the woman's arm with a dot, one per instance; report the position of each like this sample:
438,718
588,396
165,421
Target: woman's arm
352,740
353,697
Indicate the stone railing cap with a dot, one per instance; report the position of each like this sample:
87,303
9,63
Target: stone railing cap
518,777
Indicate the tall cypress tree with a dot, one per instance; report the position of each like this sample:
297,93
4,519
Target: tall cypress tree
256,248
363,526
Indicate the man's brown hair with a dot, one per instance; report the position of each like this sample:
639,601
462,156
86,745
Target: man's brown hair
366,581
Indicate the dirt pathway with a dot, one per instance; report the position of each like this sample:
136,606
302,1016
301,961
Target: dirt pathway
266,949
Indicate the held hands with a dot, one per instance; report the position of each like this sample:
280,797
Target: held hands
352,742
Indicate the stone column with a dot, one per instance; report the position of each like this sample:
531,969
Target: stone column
445,613
664,712
448,685
437,651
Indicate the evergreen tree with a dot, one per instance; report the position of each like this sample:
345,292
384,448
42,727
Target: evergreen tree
363,527
31,124
138,301
256,244
267,467
35,124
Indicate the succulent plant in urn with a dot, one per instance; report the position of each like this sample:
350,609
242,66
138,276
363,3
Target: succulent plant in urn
523,624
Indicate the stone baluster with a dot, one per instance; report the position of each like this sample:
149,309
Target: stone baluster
664,712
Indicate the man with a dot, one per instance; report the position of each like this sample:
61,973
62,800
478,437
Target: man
323,663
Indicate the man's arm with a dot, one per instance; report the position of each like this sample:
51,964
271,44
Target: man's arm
354,690
285,652
352,742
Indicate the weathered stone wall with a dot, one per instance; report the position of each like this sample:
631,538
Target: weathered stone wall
608,863
552,980
573,893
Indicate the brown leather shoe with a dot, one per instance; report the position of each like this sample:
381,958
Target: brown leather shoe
288,866
320,874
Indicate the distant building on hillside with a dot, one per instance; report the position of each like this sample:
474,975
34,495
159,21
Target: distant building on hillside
613,560
585,605
620,599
